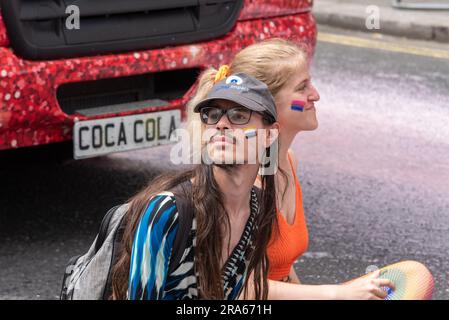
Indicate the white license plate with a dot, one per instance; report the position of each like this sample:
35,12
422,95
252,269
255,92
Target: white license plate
102,136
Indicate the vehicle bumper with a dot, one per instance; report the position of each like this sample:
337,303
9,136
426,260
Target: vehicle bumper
29,110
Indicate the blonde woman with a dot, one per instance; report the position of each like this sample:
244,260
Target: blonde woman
284,68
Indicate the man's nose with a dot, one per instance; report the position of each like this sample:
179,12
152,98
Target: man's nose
223,123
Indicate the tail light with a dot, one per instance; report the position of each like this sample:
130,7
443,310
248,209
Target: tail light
256,9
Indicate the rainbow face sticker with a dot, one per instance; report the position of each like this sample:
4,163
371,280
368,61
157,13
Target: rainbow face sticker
250,132
298,105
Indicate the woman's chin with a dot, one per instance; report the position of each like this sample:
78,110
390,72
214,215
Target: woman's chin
314,126
309,126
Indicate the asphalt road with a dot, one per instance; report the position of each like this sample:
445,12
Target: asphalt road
374,177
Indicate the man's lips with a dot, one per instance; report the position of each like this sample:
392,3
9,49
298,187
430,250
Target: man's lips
223,139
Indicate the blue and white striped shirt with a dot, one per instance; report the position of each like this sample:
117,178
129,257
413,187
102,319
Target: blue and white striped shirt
149,277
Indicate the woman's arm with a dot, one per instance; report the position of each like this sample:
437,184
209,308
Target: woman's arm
279,290
294,276
366,288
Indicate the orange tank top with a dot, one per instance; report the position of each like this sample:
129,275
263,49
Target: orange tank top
287,245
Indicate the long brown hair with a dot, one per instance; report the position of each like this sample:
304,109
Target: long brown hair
211,216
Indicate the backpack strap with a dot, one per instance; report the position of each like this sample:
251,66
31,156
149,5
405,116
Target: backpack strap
185,209
116,252
104,227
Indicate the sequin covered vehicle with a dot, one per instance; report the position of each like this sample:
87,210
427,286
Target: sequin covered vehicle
120,78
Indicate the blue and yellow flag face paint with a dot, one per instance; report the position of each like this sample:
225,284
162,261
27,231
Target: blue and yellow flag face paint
250,132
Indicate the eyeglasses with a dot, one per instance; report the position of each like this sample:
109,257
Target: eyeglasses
236,115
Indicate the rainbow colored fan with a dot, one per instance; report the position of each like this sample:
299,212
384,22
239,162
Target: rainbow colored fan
412,279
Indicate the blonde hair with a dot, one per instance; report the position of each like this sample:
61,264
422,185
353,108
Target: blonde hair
272,61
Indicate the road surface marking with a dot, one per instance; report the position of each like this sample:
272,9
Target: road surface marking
382,45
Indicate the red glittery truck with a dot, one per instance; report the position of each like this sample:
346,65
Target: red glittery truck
115,75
